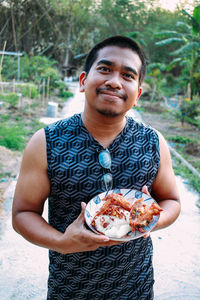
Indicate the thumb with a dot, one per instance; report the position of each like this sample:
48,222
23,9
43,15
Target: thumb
81,217
145,190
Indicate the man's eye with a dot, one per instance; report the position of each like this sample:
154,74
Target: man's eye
128,76
103,69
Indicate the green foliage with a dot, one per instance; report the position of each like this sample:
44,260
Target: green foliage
184,172
65,94
39,68
12,136
189,110
29,91
9,68
187,49
179,139
63,91
12,99
33,69
51,75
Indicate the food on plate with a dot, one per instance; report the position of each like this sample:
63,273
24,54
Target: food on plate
141,214
118,216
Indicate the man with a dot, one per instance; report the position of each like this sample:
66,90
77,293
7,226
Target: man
62,163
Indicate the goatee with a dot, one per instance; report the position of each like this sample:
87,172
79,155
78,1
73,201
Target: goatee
108,113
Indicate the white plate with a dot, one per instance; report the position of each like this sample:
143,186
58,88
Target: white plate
129,194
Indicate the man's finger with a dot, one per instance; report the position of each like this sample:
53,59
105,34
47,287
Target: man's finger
145,190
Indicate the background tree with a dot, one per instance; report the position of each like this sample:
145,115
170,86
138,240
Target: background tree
187,40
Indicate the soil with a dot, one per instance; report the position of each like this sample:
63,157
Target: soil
9,168
163,120
154,115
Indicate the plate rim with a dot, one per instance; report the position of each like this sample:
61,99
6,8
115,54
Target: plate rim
120,190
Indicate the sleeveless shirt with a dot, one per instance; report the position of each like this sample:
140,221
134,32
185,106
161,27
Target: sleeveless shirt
119,272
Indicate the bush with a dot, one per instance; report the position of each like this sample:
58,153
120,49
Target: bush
65,94
32,69
12,137
30,91
179,139
63,91
189,110
12,99
50,74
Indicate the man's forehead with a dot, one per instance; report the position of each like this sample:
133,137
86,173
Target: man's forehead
113,50
116,54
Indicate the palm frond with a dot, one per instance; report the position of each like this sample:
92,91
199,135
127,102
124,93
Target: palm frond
166,33
169,41
186,49
184,25
173,63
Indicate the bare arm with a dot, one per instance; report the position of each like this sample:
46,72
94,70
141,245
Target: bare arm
164,189
31,192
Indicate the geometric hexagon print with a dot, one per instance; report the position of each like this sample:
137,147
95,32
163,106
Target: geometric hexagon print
118,272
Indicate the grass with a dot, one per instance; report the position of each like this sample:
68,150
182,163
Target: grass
12,137
184,172
183,144
15,132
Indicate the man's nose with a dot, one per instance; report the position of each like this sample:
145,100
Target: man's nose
114,81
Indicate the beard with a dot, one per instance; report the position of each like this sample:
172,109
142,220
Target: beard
109,112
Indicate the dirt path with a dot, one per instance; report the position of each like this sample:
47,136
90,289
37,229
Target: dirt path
9,169
24,267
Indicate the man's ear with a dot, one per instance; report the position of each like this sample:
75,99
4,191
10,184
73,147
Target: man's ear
138,96
82,79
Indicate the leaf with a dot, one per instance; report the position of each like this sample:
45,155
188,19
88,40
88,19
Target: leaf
173,63
184,25
166,33
186,49
169,41
196,17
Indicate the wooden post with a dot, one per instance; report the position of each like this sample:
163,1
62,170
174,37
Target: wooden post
48,81
13,85
29,102
43,92
1,63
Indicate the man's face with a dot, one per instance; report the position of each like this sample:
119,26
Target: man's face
112,85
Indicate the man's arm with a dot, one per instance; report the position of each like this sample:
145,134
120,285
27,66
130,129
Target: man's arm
164,189
31,192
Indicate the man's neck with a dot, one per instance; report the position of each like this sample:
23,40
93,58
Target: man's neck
104,129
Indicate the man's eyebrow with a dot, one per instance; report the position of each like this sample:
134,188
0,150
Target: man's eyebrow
129,69
110,63
105,62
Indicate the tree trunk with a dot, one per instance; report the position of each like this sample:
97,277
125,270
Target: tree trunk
66,62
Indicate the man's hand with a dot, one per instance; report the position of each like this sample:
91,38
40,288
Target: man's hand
79,239
145,191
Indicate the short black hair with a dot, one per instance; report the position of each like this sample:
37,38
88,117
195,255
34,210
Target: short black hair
119,41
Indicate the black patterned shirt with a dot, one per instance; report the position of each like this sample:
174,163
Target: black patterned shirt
119,272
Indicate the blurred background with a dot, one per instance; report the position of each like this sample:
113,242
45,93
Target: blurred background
43,44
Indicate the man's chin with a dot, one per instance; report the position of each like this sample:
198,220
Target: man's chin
109,113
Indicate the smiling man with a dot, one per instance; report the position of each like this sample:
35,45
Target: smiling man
75,159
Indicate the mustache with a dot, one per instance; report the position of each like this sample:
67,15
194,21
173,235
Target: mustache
115,91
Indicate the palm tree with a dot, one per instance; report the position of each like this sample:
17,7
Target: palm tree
187,54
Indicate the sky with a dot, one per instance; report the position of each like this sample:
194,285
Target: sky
171,4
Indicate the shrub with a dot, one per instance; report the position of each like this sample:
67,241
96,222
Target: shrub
12,99
189,110
179,139
63,91
12,137
33,68
30,91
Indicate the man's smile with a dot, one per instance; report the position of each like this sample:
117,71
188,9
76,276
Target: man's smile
112,93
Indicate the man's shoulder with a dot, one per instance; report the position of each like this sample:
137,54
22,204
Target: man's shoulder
64,123
140,125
